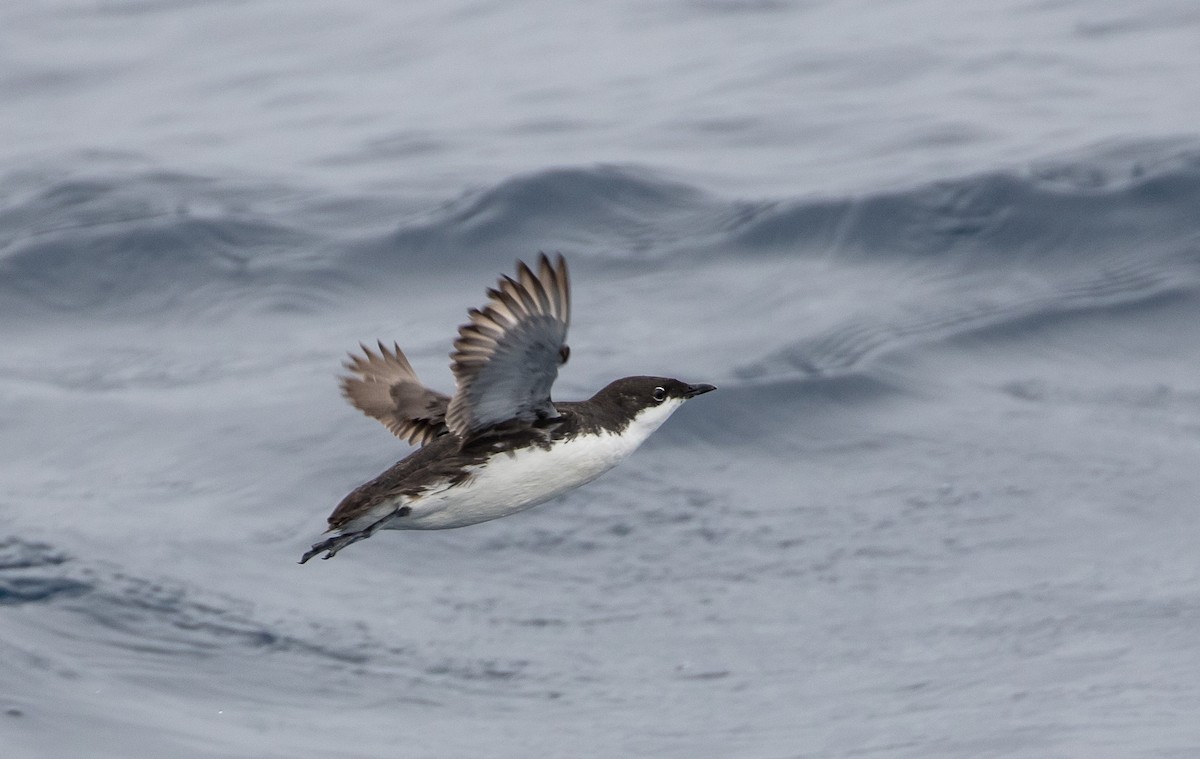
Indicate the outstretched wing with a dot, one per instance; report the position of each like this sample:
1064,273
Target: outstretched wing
385,386
506,358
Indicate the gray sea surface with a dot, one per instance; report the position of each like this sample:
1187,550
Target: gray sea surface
942,260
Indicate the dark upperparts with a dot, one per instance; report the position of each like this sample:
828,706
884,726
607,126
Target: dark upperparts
609,410
445,459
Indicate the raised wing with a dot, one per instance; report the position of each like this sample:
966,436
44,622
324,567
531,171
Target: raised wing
384,386
506,358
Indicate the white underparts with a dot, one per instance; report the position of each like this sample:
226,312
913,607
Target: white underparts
515,481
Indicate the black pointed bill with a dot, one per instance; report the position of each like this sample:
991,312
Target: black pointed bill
694,390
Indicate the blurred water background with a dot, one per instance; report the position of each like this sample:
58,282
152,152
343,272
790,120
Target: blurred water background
941,258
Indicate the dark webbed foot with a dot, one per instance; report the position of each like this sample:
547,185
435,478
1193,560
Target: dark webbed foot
338,542
334,544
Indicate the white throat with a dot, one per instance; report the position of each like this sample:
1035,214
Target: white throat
648,420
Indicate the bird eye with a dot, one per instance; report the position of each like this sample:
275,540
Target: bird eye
660,394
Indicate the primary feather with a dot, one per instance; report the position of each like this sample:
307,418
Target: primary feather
506,358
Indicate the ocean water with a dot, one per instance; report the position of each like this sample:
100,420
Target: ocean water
941,259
